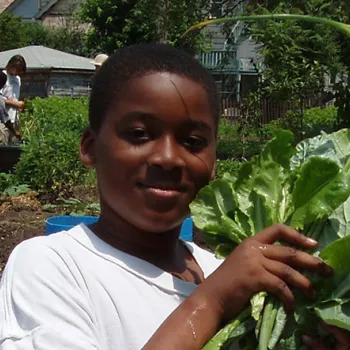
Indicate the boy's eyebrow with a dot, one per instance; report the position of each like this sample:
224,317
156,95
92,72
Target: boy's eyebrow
142,116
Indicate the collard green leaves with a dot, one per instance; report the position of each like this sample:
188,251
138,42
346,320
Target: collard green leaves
306,187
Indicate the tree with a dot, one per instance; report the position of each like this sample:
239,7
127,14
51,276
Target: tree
117,24
298,55
11,29
69,37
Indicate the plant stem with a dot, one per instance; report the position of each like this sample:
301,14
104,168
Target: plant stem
344,28
221,337
267,324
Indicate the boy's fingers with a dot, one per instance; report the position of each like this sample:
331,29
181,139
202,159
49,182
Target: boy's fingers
280,289
342,336
296,258
291,276
313,344
284,233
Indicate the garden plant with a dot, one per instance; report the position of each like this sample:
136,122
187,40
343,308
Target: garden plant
306,187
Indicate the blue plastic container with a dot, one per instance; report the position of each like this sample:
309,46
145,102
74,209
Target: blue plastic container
66,222
187,230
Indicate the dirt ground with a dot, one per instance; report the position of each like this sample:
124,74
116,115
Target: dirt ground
24,217
21,218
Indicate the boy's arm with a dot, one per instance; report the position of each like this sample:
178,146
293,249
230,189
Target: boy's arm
14,103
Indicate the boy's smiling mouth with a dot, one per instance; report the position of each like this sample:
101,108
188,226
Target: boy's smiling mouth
166,190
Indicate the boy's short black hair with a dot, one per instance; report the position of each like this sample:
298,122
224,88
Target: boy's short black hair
3,79
17,61
137,60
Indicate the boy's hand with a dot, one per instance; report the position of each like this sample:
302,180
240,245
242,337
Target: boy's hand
258,265
18,135
341,336
20,105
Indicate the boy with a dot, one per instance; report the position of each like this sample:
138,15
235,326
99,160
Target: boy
127,282
98,60
15,68
6,127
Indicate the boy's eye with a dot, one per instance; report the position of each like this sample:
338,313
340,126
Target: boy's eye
195,143
138,135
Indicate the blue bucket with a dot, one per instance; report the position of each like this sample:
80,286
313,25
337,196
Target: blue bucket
186,232
66,222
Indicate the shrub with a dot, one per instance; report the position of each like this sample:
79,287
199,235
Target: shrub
320,119
235,143
309,124
52,128
230,166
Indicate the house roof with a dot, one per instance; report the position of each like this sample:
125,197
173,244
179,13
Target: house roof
4,4
44,58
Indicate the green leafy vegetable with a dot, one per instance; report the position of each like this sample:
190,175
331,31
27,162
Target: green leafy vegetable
306,187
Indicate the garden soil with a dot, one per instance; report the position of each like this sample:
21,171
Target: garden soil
23,217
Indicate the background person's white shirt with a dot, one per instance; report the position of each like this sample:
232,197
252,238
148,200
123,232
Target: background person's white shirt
11,91
71,290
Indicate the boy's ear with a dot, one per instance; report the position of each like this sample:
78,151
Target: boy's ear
213,172
87,148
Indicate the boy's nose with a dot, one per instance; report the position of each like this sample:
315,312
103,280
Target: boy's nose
167,154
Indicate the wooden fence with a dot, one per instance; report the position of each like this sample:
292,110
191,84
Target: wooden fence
269,109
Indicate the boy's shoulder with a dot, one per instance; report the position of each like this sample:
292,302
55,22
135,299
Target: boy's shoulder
38,252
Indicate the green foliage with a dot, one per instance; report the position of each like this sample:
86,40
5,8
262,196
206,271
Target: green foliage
115,25
52,128
307,188
73,206
297,55
11,29
230,166
303,125
69,37
235,142
317,119
9,185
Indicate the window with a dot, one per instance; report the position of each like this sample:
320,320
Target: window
216,9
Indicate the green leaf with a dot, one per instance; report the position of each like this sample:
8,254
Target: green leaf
257,303
336,255
335,313
280,148
321,187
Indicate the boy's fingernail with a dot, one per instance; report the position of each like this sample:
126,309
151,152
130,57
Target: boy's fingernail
307,340
310,240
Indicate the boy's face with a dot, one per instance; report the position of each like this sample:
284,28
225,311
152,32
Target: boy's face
154,151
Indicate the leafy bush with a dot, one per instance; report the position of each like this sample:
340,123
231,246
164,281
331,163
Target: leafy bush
230,166
308,124
9,186
52,128
235,143
317,119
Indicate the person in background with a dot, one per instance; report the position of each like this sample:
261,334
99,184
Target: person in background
128,282
6,127
98,61
15,68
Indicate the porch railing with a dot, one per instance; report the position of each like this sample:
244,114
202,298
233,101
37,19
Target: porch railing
225,61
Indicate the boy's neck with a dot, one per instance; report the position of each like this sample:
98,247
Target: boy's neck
129,239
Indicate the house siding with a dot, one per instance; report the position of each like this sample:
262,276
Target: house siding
70,84
26,9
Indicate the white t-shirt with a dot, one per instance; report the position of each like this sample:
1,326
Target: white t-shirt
71,290
11,91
